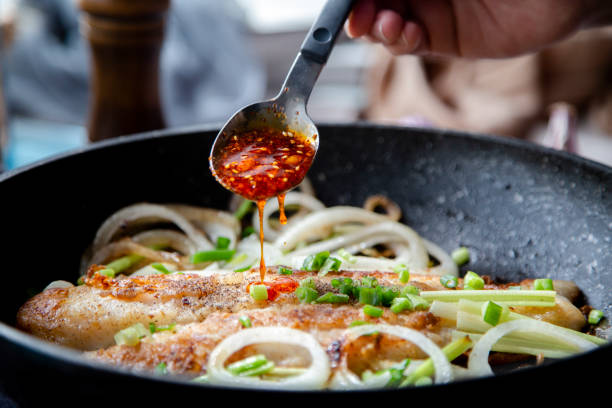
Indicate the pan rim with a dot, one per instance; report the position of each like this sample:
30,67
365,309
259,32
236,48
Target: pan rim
214,127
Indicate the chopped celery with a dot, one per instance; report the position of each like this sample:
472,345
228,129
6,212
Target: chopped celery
507,297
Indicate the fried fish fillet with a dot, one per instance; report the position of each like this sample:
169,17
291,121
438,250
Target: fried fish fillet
87,317
185,351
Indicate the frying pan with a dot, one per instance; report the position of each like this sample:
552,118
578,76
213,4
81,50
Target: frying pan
523,210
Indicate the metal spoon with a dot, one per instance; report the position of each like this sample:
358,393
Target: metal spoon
287,111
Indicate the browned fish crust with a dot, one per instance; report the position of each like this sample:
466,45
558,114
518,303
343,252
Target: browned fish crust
185,352
87,317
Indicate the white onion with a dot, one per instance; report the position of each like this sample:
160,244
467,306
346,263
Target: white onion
345,379
166,238
252,247
447,265
372,235
318,224
443,371
59,284
314,377
147,213
127,246
215,223
392,210
306,187
478,363
292,198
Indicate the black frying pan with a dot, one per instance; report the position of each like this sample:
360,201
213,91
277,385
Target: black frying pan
524,211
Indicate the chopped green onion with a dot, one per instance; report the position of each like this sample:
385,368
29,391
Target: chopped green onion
247,231
245,321
372,311
508,297
131,336
461,256
244,268
308,283
370,296
242,262
388,294
418,302
213,255
409,290
492,312
306,295
259,292
402,272
595,316
154,328
223,243
400,304
369,282
330,264
345,285
161,369
452,350
121,264
108,272
397,373
81,280
356,323
264,369
284,271
248,364
347,256
449,281
244,209
160,267
331,297
314,262
471,280
543,284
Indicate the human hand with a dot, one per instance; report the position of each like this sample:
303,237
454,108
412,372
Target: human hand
470,28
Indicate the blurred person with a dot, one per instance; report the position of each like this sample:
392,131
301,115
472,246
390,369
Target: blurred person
457,78
207,71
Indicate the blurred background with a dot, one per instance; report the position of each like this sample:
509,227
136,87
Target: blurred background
218,56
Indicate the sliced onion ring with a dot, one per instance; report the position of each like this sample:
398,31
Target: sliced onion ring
314,377
478,363
145,213
443,370
166,238
305,201
392,210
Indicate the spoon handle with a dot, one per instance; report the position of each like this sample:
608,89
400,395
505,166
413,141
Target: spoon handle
323,33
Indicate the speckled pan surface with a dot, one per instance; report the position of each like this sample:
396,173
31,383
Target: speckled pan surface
524,211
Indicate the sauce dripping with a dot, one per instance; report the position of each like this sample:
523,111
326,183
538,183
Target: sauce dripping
263,163
278,286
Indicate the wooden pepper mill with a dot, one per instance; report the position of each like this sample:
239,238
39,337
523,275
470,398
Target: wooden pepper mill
126,38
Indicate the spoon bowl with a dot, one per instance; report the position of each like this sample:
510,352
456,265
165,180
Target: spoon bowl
285,114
